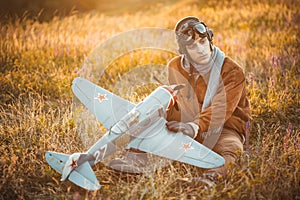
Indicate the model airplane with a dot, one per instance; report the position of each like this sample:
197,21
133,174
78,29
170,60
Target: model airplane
143,126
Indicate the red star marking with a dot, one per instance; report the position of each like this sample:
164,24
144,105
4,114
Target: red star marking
101,97
187,146
74,164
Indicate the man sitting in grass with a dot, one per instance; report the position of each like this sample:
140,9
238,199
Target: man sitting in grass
213,107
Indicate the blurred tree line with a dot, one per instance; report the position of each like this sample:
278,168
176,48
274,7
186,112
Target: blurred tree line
44,9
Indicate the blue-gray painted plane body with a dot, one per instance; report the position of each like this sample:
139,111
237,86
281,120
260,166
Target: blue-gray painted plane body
144,126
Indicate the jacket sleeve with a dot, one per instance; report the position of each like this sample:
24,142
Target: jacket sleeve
173,113
225,101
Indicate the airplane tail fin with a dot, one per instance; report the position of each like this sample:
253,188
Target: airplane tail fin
82,175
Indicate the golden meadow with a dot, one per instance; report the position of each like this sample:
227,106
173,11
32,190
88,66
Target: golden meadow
39,60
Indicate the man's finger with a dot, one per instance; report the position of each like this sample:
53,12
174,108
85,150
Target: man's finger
173,126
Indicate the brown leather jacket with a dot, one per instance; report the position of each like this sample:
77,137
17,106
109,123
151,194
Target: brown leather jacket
229,106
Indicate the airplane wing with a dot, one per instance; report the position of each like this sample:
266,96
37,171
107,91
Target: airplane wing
107,107
160,141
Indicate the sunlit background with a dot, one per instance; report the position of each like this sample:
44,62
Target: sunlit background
44,43
46,9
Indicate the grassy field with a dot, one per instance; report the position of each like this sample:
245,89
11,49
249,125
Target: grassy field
39,60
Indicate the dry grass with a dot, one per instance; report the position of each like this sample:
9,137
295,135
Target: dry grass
38,61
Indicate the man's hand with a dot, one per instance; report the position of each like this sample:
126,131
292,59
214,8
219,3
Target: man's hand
185,128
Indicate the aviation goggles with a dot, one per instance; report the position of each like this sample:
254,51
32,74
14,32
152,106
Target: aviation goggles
188,31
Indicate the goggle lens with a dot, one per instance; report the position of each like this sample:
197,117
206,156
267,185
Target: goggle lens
188,31
200,28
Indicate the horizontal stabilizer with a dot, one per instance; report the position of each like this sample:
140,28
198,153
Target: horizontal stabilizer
56,160
82,175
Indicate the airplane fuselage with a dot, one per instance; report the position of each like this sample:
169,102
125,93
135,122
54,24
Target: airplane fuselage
146,112
142,117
